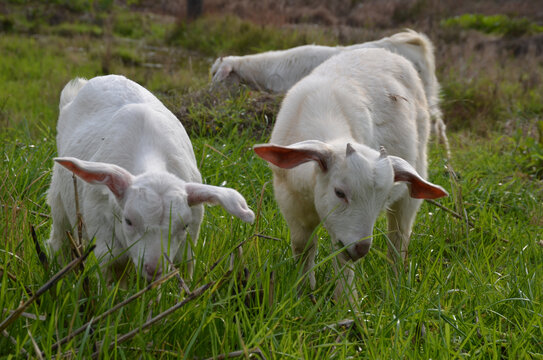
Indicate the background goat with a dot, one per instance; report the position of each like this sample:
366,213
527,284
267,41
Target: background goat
278,71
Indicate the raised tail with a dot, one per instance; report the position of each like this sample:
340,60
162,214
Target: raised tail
70,91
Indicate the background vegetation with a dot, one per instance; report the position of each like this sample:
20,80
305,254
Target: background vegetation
472,288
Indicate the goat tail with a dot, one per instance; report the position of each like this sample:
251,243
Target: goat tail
414,38
70,91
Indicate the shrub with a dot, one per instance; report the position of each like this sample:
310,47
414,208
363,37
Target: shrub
494,24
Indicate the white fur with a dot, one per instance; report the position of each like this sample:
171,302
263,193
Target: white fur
142,192
326,143
278,71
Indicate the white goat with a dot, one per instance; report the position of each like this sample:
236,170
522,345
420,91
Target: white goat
278,71
113,132
329,163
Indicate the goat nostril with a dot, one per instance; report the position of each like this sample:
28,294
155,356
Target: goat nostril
362,248
153,271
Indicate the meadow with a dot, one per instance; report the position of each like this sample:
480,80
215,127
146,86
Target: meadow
473,286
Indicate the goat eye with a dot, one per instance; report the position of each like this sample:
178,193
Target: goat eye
128,222
340,194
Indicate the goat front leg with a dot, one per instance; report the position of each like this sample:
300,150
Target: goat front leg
401,216
304,248
344,269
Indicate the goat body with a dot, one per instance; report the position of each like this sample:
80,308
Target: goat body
142,192
329,162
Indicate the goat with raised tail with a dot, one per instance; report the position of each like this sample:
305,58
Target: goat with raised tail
142,194
349,141
277,71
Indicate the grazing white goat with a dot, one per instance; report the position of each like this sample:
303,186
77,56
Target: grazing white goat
278,71
329,162
142,192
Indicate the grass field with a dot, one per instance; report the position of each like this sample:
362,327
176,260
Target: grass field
469,291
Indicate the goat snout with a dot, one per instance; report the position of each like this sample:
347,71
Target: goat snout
357,250
152,271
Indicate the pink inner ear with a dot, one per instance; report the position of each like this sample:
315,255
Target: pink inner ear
287,158
116,181
419,188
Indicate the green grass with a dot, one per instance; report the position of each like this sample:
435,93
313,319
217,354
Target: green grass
466,292
494,24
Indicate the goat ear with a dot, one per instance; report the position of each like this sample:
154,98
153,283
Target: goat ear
231,200
418,187
288,157
114,177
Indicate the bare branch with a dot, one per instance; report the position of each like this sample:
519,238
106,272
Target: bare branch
48,285
34,343
41,255
193,295
239,353
14,342
182,284
84,327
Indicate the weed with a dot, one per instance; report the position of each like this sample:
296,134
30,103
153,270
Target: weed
494,24
224,35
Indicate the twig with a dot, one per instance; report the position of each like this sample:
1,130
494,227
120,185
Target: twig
239,353
259,211
34,343
29,315
222,258
217,151
14,342
271,290
346,323
48,285
267,237
41,255
78,213
18,208
14,279
182,284
193,295
76,250
10,275
84,327
457,215
450,211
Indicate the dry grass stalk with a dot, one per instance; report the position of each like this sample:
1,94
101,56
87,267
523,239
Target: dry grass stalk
84,327
458,216
182,284
48,285
29,315
78,214
259,210
41,254
14,342
271,291
239,353
193,295
345,323
450,211
10,275
34,343
222,258
17,208
267,237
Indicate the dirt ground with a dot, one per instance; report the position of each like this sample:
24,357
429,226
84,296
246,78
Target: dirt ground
356,13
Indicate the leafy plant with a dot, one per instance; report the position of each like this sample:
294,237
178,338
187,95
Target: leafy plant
530,152
494,24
